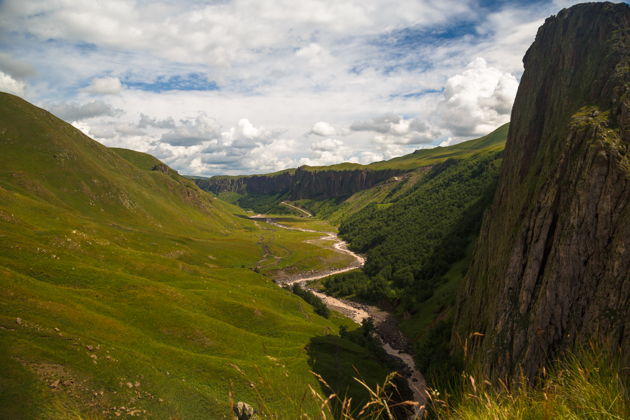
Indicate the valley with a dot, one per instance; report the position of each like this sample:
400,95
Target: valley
115,270
484,278
385,328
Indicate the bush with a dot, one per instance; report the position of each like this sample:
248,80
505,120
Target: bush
319,307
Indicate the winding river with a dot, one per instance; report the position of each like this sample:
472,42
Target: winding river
387,332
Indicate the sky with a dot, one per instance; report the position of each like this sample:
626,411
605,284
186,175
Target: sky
255,86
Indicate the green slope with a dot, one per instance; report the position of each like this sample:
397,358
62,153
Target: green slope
418,164
494,141
129,291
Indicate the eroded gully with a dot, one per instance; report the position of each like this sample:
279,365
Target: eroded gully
387,332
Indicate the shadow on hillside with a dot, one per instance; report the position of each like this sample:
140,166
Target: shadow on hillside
341,361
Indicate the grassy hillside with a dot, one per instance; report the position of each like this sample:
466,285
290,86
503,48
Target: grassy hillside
418,164
494,141
128,291
395,177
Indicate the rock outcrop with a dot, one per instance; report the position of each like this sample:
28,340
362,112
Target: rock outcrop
551,268
300,183
244,411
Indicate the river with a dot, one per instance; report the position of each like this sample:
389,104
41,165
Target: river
387,332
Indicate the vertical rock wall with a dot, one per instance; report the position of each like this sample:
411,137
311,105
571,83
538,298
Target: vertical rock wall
552,264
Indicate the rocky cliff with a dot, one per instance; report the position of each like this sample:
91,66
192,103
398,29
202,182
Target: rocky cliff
551,268
301,183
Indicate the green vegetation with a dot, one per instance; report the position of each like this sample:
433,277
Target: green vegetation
317,304
411,244
492,142
585,384
417,233
418,164
263,203
412,166
129,291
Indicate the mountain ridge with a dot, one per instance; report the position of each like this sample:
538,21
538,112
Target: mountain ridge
339,182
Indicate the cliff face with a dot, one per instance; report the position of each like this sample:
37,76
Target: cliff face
302,183
552,264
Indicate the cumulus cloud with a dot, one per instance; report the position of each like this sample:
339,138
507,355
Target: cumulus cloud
386,80
473,103
314,54
322,128
187,132
10,85
477,100
327,152
388,123
147,121
245,135
77,112
105,85
270,157
326,145
394,129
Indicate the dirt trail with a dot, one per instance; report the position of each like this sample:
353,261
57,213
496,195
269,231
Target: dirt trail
387,332
301,210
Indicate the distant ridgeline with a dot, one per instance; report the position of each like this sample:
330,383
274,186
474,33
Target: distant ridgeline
303,182
336,183
415,218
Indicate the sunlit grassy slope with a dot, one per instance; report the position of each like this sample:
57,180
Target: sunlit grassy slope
492,142
129,291
418,164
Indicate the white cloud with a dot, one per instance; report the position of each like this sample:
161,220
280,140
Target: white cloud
281,64
314,54
83,127
105,85
477,100
389,123
394,129
246,136
10,85
187,132
326,145
323,129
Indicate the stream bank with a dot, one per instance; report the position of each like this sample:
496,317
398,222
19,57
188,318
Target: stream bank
386,327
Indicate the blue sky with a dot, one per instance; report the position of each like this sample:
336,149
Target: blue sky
253,86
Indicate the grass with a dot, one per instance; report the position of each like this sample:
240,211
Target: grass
392,190
128,291
585,384
335,210
492,142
